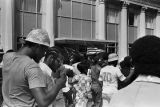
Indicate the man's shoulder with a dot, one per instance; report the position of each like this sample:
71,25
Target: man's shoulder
14,55
110,69
25,60
107,67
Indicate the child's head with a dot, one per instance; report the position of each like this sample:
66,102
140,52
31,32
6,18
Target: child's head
83,67
127,62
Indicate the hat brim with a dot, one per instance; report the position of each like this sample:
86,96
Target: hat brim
36,42
113,59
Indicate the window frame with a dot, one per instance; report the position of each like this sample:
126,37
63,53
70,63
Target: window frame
81,19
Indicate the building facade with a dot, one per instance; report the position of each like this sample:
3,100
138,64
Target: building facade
112,25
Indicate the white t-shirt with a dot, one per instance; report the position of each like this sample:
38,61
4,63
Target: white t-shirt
110,75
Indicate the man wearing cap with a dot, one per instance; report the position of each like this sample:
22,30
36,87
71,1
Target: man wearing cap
23,81
109,75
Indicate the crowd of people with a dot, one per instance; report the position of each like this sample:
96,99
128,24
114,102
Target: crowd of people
38,75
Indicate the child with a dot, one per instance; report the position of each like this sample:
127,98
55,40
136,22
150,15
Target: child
82,86
96,86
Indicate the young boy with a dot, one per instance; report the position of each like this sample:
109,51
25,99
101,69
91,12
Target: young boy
82,86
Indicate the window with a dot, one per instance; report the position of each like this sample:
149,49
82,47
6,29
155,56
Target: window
129,46
132,19
150,23
28,16
112,18
111,47
76,19
132,26
112,24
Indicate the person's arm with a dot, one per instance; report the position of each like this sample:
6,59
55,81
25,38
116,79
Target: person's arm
101,78
129,79
37,85
43,99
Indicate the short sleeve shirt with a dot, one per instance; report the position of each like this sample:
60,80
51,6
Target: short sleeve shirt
110,75
83,86
20,74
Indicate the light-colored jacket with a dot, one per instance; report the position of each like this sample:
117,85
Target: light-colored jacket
144,92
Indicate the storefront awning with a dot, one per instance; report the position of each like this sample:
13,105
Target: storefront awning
81,42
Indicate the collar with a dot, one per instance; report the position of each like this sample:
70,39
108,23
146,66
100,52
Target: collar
149,78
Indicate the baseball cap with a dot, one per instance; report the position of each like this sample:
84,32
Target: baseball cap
112,57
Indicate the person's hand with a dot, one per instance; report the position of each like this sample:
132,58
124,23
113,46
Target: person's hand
61,68
56,74
61,81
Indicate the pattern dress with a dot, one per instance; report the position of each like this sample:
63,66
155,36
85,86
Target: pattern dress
83,89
